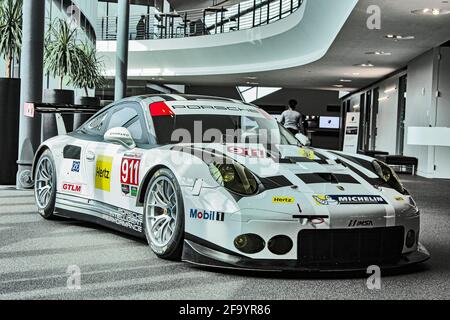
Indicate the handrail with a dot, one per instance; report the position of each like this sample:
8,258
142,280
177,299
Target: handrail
190,23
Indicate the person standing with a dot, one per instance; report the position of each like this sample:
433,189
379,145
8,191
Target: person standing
291,119
140,29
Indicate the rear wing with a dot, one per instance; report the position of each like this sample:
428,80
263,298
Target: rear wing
30,109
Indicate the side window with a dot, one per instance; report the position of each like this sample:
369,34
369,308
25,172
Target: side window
121,117
128,117
135,129
96,126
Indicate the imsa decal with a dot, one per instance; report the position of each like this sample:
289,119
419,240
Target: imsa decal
360,223
206,215
328,200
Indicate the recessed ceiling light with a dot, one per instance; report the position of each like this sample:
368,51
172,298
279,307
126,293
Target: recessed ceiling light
431,11
379,53
338,85
365,65
252,83
345,80
250,78
398,37
356,73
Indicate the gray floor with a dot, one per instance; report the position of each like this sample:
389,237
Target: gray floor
35,255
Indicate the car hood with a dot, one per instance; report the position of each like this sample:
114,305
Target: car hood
318,168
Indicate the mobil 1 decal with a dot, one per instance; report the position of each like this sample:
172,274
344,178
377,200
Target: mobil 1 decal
129,175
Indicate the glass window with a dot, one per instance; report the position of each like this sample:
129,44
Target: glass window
96,125
128,117
135,129
121,117
200,128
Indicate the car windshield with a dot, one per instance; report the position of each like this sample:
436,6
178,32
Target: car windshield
200,128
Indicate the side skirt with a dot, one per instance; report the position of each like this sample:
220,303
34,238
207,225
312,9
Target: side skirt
92,211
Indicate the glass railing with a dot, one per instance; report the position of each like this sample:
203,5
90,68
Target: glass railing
191,23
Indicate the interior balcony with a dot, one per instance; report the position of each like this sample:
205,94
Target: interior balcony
242,38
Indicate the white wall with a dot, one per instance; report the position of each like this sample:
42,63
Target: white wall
419,111
386,139
442,154
427,74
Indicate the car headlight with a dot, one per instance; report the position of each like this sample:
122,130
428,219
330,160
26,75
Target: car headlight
234,177
388,175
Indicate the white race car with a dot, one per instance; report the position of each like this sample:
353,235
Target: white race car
219,182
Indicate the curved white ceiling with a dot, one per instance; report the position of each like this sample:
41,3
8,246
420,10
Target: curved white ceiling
299,39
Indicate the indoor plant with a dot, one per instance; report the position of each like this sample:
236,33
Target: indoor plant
63,58
88,76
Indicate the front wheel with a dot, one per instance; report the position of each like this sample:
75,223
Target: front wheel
164,215
45,185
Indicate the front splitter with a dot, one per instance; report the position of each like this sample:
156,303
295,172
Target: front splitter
201,255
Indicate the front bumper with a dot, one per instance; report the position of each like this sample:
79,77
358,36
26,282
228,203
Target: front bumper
213,256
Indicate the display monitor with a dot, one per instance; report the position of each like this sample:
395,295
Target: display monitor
330,123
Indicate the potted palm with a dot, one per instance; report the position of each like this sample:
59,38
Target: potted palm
62,59
10,44
89,76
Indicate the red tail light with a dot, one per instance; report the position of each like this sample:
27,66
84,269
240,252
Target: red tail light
160,109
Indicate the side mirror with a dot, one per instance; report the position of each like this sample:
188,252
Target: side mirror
304,140
120,135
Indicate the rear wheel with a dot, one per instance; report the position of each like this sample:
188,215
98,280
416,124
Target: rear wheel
164,215
45,185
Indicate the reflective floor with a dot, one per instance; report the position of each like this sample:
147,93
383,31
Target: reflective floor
36,255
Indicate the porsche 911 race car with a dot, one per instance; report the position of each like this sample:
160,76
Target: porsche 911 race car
219,182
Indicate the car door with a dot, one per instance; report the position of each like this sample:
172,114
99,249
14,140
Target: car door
117,169
75,167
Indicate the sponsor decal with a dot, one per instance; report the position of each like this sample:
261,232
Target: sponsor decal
283,200
132,154
324,200
398,198
129,174
328,200
125,218
125,189
71,187
206,215
360,223
129,171
306,153
247,152
103,173
76,166
215,107
134,191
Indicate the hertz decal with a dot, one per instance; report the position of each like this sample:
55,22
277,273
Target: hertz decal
307,153
283,200
103,173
